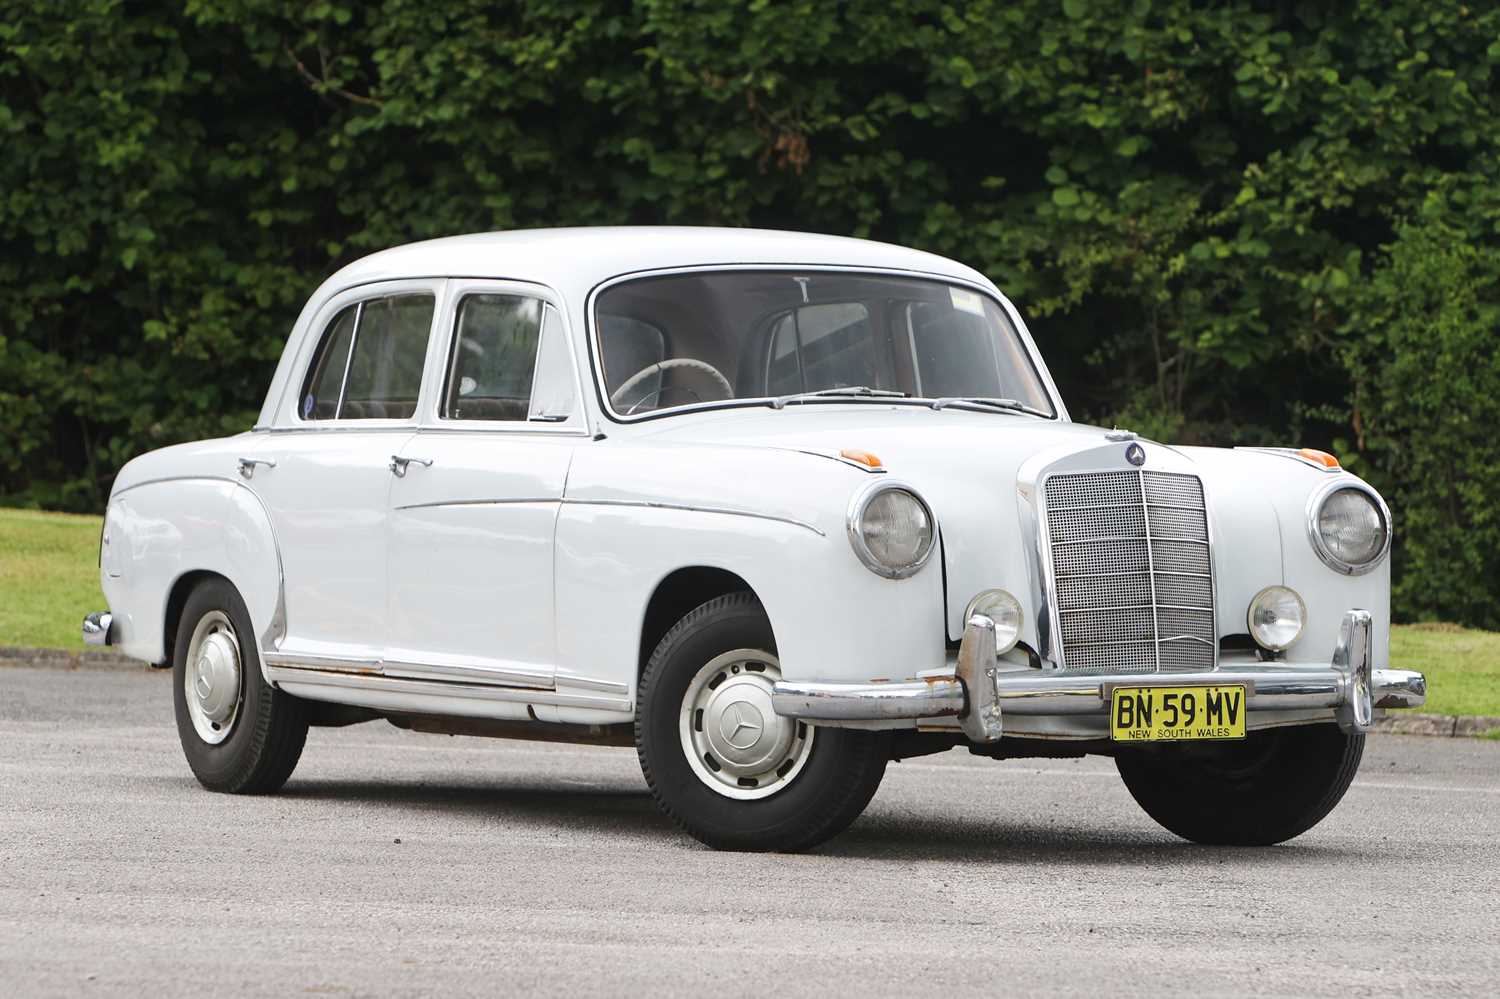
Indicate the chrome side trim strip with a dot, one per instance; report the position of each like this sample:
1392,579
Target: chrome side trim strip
490,675
645,504
320,661
524,501
450,676
689,508
589,683
366,681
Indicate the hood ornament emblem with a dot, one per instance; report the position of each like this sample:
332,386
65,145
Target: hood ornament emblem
1136,455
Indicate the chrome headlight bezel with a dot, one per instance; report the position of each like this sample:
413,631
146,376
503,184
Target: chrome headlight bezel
854,525
1315,503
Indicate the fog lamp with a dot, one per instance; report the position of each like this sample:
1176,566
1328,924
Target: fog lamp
1276,617
1002,608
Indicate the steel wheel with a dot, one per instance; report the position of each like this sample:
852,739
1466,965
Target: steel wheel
737,745
213,684
720,762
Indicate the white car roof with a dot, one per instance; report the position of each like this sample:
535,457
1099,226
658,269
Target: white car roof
573,262
567,259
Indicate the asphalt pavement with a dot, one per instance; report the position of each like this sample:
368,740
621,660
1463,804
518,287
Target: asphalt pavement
396,863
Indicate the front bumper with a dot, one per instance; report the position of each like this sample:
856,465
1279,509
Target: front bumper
982,697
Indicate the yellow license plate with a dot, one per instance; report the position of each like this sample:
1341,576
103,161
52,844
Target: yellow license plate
1161,714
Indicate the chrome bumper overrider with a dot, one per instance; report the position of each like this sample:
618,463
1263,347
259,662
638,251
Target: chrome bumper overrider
96,628
981,696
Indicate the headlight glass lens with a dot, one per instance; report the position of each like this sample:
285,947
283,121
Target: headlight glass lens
1276,618
896,531
1352,527
1002,608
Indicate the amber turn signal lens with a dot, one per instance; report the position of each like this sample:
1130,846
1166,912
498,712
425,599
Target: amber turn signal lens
1318,457
864,458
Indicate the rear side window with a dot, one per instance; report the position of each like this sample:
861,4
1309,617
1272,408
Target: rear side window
369,364
325,380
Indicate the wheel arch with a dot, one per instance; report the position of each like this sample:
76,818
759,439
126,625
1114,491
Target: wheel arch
677,593
177,597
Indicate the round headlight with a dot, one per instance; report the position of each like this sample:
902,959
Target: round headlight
1002,608
891,530
1350,528
1276,618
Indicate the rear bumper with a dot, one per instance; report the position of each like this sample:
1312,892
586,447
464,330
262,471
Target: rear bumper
981,697
98,628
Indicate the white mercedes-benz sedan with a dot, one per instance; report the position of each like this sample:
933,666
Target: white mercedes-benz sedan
775,509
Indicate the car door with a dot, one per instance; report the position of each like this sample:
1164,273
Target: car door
473,516
325,476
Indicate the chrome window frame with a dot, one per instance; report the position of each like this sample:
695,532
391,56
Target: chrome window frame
430,420
289,410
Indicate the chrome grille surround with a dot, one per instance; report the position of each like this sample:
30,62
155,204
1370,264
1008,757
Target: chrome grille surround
1132,571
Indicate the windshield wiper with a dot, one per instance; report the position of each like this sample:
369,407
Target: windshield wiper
1012,405
863,391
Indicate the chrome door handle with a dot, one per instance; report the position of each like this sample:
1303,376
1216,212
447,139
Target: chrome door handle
398,464
247,465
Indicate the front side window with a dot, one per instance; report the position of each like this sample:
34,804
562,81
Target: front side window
716,337
509,363
369,363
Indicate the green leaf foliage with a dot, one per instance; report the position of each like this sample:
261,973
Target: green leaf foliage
1227,223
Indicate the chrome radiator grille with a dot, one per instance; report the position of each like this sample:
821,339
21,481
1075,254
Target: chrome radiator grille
1133,571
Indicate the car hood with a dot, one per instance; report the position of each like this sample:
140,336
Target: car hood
906,438
978,469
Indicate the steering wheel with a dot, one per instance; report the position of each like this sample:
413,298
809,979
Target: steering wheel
711,373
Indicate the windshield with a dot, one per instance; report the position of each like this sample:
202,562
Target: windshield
691,339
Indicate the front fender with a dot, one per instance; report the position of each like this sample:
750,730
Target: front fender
775,519
1260,503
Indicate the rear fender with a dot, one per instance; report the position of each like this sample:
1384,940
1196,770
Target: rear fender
160,531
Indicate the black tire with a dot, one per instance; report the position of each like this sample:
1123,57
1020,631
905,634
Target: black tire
266,738
840,776
1273,786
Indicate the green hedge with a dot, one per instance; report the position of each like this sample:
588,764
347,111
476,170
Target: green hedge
1228,223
